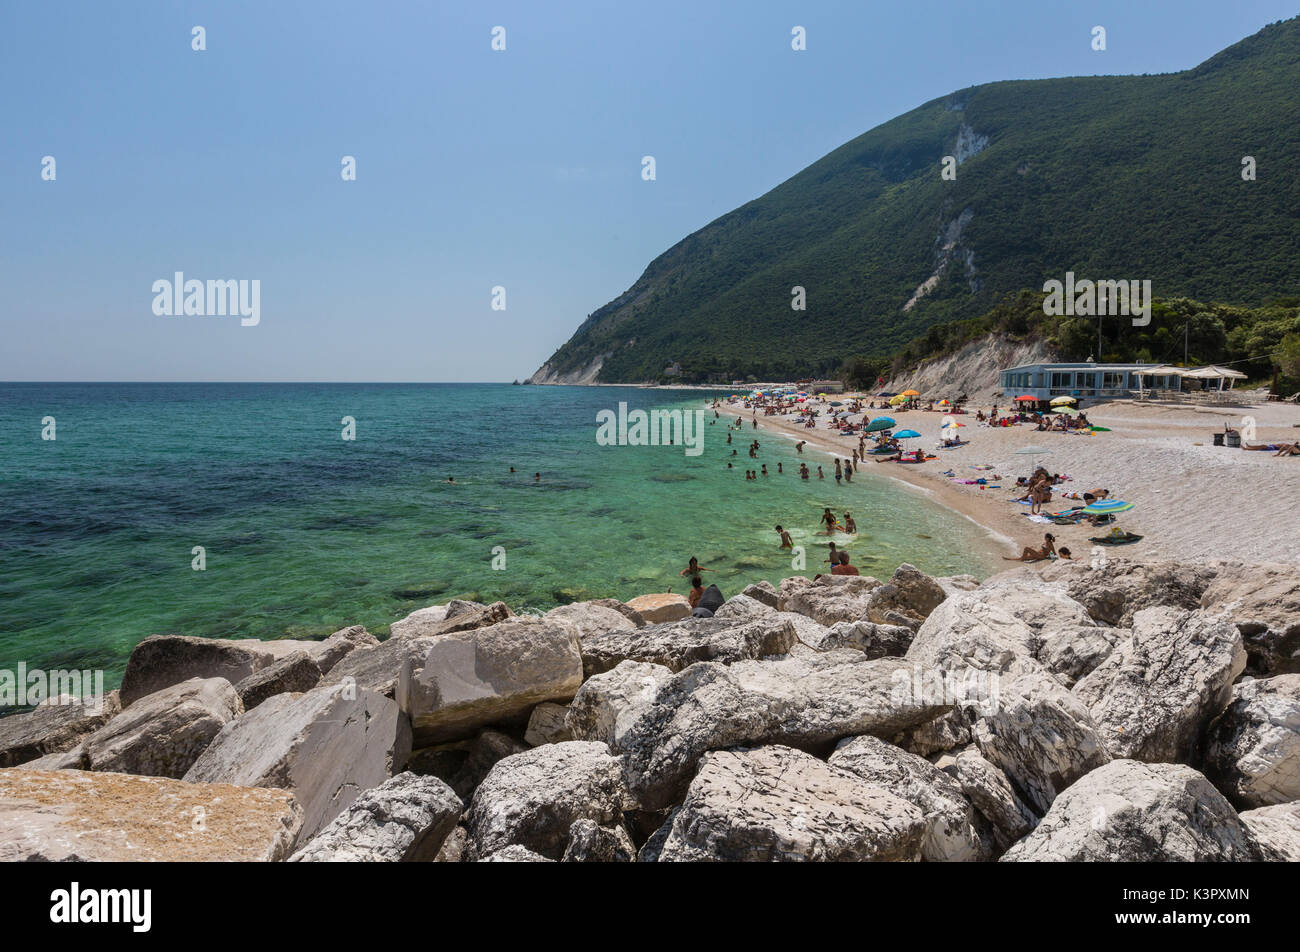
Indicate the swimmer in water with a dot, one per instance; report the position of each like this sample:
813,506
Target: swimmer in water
537,477
828,520
849,525
450,480
786,541
693,567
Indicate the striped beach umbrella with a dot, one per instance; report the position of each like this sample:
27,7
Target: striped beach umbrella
1104,507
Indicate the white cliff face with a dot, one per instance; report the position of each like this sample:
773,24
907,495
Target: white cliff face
972,370
969,143
583,376
949,245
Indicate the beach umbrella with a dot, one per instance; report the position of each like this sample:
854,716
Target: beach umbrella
907,435
880,423
836,403
896,401
1104,507
1068,411
951,424
945,403
911,393
1058,401
1033,451
1101,429
1024,397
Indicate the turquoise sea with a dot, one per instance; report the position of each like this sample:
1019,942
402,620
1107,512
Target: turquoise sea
305,532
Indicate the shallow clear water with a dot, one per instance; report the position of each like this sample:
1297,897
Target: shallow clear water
305,532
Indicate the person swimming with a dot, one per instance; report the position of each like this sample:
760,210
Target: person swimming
850,526
786,541
693,567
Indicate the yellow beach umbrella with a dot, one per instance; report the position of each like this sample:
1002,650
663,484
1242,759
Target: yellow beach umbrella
895,401
1061,401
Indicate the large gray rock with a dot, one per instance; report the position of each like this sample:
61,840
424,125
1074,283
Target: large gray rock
742,608
294,673
163,733
1264,601
1153,697
954,830
547,724
991,627
374,669
1253,747
1040,735
532,799
909,593
1129,811
675,645
1277,830
778,804
831,598
591,843
328,746
515,854
72,815
764,592
1114,592
451,685
53,728
456,615
463,764
403,820
163,660
1075,652
591,619
599,710
800,701
988,788
872,639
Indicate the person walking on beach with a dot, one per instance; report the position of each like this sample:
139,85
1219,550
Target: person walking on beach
786,541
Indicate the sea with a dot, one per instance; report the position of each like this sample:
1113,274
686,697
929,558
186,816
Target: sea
245,511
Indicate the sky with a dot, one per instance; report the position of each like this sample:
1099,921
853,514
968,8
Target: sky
475,168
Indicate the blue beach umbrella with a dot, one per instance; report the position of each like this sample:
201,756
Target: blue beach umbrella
907,435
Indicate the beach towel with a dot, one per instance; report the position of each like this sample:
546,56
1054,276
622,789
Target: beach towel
1115,540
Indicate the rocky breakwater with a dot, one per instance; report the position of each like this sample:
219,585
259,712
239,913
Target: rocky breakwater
1058,712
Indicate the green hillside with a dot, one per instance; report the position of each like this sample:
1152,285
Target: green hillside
1125,177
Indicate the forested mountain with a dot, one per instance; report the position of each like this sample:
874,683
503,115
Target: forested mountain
1123,177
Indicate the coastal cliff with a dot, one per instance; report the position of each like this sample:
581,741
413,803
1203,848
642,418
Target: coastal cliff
1065,711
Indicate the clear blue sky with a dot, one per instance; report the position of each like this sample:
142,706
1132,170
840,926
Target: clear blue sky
474,168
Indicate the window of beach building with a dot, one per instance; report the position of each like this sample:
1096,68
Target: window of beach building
1062,381
1112,381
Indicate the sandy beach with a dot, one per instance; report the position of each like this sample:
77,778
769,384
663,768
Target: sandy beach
1192,500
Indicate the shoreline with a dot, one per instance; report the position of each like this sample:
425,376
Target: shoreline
1192,499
